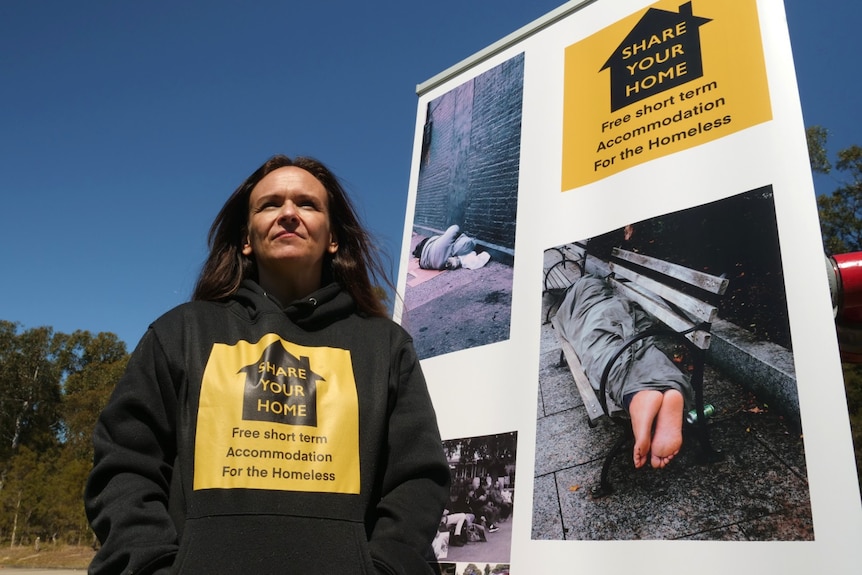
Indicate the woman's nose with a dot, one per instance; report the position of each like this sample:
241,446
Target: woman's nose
288,211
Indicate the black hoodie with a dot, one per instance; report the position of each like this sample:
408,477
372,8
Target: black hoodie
247,437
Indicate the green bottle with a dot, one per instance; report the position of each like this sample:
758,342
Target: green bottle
708,411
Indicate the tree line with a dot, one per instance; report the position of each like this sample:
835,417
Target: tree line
52,388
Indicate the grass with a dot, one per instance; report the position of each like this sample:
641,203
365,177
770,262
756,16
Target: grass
49,556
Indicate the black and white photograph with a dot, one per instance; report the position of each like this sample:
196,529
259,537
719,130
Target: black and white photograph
476,526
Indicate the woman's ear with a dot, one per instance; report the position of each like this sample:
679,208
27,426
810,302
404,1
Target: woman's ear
246,247
333,244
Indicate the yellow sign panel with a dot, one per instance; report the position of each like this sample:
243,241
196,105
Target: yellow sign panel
278,416
671,77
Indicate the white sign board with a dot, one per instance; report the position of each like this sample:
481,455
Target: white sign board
666,132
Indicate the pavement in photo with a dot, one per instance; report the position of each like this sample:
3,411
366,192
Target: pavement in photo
497,548
459,309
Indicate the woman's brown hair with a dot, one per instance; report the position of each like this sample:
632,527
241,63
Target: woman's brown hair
353,266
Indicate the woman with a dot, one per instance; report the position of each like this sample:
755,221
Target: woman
278,423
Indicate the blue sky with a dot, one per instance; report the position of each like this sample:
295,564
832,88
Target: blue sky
125,125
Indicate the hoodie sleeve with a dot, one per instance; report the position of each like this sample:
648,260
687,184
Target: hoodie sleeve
126,496
416,478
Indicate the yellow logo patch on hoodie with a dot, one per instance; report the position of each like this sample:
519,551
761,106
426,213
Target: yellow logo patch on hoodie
278,416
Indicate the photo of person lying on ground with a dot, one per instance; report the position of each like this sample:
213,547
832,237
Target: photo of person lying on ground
449,251
644,381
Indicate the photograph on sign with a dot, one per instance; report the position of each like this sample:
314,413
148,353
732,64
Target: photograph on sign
667,383
458,292
476,527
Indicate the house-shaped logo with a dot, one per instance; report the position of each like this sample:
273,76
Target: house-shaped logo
662,51
280,388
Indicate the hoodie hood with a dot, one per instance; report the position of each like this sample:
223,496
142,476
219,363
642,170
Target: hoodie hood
315,311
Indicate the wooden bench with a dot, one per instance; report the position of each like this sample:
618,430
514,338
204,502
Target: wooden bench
678,299
563,273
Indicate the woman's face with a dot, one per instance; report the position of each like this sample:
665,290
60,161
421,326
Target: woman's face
288,223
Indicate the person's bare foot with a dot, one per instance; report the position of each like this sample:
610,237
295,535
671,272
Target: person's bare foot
643,409
667,438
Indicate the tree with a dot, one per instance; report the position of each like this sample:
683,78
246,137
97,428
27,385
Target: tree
817,154
840,211
93,365
853,386
496,453
52,388
29,390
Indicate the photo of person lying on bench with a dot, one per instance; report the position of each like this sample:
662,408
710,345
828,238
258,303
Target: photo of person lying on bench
643,382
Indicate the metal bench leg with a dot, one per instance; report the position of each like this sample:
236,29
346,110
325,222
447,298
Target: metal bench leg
604,488
708,454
